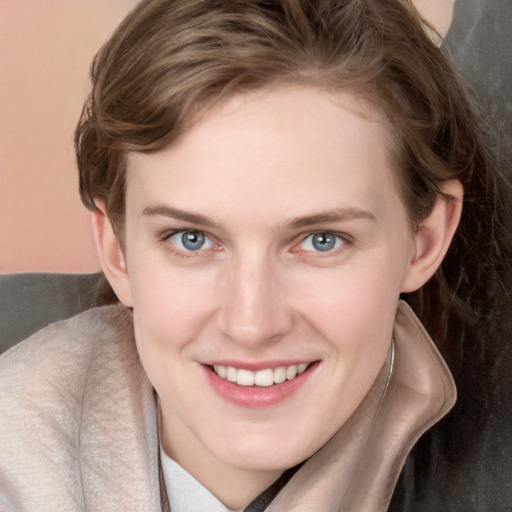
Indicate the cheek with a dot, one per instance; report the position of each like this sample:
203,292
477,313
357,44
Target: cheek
171,301
169,310
354,311
356,295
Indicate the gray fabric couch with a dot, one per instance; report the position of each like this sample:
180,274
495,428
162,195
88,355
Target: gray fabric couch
30,301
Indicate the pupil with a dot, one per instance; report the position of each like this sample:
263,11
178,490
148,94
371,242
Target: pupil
192,240
324,241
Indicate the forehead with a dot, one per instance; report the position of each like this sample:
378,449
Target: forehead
280,148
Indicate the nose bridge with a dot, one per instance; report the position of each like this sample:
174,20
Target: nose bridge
254,307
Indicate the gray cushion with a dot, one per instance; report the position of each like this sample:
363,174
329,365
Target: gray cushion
30,301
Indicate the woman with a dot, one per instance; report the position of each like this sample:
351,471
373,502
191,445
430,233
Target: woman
266,181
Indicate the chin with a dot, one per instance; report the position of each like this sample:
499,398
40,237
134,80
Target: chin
265,453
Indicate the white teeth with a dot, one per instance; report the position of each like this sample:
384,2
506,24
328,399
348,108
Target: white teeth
231,374
279,374
245,378
266,377
220,371
302,368
291,372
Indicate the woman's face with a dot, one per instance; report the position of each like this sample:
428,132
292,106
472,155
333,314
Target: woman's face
269,242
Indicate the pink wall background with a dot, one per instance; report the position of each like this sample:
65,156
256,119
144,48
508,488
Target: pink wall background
45,50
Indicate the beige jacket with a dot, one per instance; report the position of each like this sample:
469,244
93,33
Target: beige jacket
78,427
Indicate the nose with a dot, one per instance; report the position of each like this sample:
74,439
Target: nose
254,309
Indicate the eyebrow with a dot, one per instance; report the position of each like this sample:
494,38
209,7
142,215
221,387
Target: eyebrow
174,213
332,216
324,217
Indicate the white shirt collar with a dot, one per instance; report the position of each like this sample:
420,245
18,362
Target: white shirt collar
185,493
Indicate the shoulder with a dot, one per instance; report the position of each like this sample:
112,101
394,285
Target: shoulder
61,353
52,371
67,394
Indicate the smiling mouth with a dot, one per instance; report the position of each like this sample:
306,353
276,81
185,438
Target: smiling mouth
264,378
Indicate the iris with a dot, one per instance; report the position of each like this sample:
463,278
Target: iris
323,241
192,240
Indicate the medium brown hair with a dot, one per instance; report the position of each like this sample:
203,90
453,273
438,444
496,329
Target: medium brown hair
171,59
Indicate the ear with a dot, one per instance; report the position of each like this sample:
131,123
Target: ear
111,255
432,239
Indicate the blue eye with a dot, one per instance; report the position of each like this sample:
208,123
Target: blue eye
322,242
190,241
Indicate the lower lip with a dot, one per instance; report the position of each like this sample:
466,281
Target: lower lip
257,396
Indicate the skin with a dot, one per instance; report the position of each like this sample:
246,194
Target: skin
258,169
438,13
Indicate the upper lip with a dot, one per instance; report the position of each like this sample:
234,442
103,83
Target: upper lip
258,365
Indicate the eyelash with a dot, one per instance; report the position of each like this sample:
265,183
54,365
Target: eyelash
171,247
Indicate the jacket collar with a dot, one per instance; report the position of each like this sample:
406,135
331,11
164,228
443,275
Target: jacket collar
358,468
